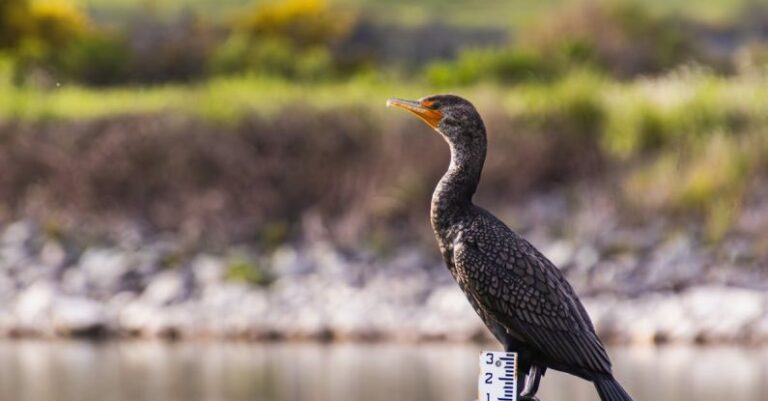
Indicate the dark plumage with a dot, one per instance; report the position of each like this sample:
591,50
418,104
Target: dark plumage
519,294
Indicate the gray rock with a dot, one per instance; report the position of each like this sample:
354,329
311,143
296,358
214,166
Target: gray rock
615,275
136,316
78,316
165,288
19,234
13,258
674,264
329,262
723,314
32,272
288,261
561,253
7,289
115,305
586,258
74,282
34,305
104,269
208,270
651,319
321,290
53,254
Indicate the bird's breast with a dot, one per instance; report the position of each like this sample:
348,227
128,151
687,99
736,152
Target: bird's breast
463,270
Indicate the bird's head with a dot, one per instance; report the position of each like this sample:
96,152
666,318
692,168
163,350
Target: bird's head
452,116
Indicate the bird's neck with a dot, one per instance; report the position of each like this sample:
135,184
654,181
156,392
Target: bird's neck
452,198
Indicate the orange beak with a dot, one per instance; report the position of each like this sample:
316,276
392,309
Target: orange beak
430,116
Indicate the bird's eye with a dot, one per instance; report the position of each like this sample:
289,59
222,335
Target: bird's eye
434,105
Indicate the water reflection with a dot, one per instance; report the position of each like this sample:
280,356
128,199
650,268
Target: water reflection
123,371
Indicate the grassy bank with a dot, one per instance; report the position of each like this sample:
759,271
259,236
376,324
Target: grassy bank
226,99
711,99
629,118
488,12
688,145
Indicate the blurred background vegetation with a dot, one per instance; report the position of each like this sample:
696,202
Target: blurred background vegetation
240,120
227,169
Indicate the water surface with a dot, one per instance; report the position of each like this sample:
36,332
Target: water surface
210,371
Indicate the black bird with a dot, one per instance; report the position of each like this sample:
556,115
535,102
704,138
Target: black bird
519,294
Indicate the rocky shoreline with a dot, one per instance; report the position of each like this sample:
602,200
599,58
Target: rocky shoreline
642,285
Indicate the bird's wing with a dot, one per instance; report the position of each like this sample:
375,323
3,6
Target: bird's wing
520,288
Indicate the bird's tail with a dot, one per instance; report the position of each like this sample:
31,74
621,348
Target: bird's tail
610,390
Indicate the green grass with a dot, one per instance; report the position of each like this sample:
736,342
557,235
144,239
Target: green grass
219,99
519,14
679,104
243,270
484,13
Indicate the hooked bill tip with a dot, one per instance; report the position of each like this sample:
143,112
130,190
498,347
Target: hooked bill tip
389,102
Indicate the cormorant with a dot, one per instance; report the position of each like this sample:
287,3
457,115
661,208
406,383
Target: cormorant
519,294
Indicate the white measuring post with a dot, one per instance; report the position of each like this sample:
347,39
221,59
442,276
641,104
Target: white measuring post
498,376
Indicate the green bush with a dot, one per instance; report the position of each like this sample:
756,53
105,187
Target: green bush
679,110
621,37
97,60
33,30
246,271
572,105
231,56
636,128
15,22
502,66
303,23
289,39
752,57
708,180
57,22
32,35
272,57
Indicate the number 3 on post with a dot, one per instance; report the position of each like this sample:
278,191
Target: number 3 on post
498,376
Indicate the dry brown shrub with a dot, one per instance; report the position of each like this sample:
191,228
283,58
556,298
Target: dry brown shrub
261,179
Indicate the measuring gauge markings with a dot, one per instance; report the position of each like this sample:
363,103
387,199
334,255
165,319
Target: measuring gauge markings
498,376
